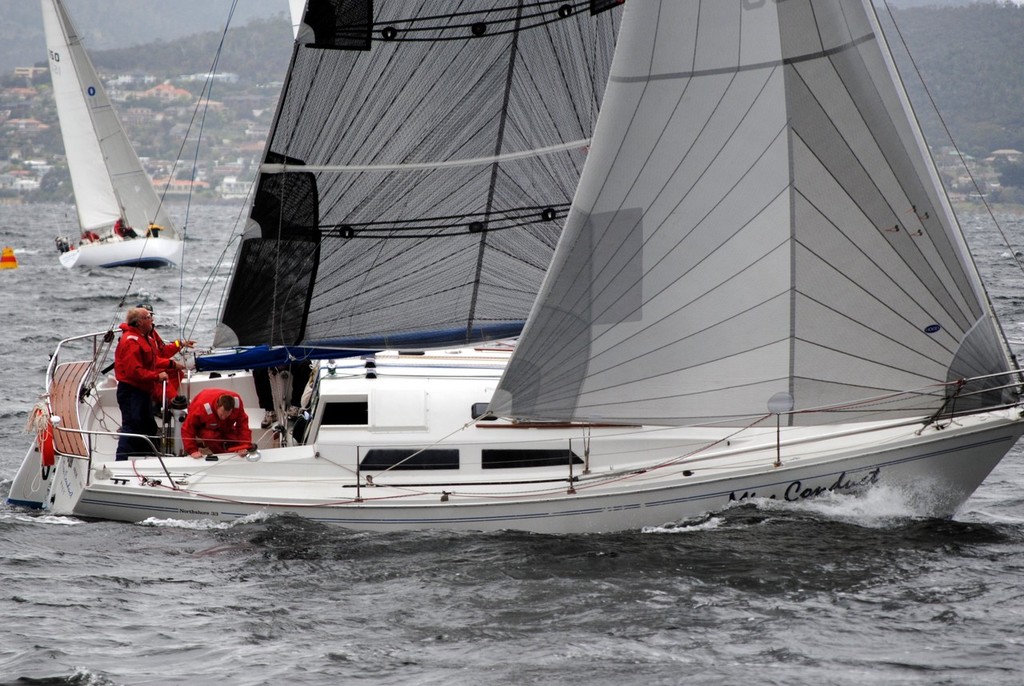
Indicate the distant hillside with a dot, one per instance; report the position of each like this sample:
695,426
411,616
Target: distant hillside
972,60
106,23
258,52
971,55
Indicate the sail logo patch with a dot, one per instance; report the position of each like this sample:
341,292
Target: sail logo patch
932,328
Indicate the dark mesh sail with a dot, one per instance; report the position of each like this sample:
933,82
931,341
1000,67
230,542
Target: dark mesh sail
440,145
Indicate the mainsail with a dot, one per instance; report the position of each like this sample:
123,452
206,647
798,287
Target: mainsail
420,166
106,174
758,215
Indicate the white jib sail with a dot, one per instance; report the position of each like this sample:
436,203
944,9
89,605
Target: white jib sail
757,214
106,174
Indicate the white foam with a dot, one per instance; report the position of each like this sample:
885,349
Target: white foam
47,519
881,506
685,527
203,524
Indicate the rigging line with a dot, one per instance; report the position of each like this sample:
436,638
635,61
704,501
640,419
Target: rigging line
974,181
509,214
814,139
513,53
949,134
206,290
280,168
181,148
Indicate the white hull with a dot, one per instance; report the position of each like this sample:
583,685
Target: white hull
637,477
136,252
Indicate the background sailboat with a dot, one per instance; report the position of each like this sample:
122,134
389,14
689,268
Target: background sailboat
106,174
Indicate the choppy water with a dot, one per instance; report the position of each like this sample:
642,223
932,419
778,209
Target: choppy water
838,591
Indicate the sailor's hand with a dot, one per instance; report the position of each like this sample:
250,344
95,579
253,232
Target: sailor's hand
196,455
162,376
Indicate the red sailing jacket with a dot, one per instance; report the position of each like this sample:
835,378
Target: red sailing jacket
138,363
230,435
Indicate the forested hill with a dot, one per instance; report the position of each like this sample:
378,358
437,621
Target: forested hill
258,52
972,60
971,56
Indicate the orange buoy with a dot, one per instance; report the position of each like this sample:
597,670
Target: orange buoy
8,260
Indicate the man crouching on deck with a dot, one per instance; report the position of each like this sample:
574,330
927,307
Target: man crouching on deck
217,422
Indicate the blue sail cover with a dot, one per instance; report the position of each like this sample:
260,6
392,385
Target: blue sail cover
260,356
421,162
277,356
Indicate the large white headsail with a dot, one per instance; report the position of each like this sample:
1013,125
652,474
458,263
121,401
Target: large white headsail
758,214
106,173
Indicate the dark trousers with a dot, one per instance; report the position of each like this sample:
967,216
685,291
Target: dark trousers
261,379
136,418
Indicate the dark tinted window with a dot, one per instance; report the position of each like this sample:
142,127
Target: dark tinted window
346,414
509,458
409,458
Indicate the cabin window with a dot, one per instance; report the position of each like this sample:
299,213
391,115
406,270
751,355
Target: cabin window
410,458
480,409
346,413
514,458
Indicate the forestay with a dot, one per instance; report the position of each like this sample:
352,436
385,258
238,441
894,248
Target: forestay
758,214
108,179
419,169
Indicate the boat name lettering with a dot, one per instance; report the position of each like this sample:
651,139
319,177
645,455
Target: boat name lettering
198,512
796,491
69,487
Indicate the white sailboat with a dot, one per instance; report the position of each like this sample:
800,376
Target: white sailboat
761,290
110,185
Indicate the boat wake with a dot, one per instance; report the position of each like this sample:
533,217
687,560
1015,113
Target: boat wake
46,519
880,507
686,526
204,524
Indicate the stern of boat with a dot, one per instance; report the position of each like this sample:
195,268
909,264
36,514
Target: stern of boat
31,484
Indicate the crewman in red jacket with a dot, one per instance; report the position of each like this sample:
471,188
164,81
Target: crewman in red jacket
166,350
216,421
140,372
